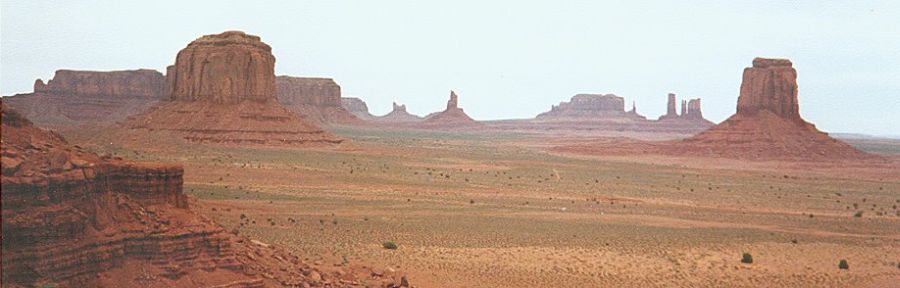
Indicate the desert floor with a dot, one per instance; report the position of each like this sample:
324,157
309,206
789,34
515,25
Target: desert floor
498,210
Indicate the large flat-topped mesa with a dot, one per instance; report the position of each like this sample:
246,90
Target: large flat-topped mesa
590,106
771,84
224,68
75,97
223,91
142,83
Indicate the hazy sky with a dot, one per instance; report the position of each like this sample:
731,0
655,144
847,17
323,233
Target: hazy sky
509,59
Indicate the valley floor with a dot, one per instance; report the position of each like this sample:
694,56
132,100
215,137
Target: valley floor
498,210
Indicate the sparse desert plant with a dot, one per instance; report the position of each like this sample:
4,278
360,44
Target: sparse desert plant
747,258
843,264
389,245
858,214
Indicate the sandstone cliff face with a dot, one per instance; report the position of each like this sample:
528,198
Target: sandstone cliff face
69,214
357,107
316,99
90,97
225,68
223,91
771,84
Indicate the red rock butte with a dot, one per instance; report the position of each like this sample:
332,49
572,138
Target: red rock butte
223,91
767,124
450,118
399,114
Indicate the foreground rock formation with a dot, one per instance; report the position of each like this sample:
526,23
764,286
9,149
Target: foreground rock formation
357,107
316,99
90,97
223,91
452,117
74,219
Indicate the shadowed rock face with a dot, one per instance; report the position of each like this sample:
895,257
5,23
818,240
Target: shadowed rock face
224,68
771,84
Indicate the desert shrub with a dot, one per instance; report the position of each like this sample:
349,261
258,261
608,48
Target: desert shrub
858,214
389,245
843,264
747,258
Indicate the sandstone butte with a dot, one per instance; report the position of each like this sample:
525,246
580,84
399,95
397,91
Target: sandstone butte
90,97
222,90
398,114
357,107
452,117
316,99
767,123
75,219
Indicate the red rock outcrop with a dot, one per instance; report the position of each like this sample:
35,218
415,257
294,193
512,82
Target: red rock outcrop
451,118
223,91
90,97
316,99
399,115
75,219
357,107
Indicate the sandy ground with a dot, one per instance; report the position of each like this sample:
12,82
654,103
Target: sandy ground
499,210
